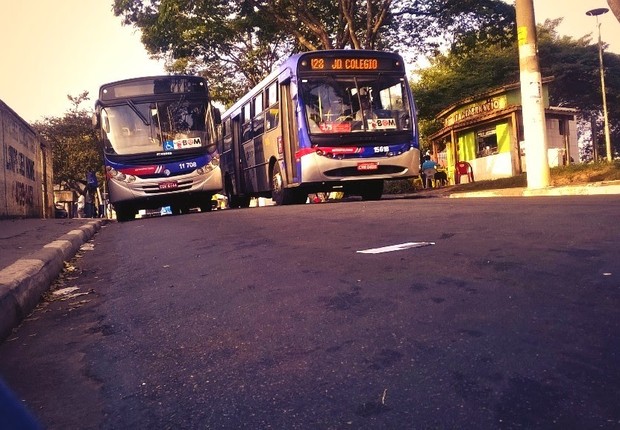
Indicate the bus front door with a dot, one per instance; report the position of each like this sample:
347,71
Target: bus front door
289,128
237,195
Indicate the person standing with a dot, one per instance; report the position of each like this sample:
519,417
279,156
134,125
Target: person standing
88,203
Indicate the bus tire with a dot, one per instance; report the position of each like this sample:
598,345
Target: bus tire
285,196
371,190
235,200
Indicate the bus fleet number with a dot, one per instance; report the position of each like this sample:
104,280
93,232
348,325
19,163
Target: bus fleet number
381,149
188,165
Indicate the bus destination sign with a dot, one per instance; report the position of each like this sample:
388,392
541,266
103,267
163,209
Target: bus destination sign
344,63
347,63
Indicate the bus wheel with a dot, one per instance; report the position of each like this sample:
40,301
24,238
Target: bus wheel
230,197
371,190
281,195
234,200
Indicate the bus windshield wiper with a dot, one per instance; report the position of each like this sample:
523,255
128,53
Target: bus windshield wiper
135,109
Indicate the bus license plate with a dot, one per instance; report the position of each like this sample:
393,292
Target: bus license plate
368,165
171,185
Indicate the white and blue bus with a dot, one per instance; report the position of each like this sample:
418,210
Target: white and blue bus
338,120
159,147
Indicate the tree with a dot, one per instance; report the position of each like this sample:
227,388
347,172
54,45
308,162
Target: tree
614,5
574,64
236,43
226,41
472,65
75,150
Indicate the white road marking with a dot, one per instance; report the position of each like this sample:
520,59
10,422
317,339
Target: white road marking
399,247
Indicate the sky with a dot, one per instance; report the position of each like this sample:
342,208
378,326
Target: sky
54,48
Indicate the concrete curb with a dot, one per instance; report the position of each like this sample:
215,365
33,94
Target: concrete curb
593,189
23,282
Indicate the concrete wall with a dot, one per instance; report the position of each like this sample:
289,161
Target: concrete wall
556,141
491,167
25,169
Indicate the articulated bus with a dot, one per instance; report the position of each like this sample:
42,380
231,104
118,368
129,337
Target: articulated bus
158,137
338,120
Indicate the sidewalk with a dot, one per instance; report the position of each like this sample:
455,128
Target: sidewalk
594,188
32,252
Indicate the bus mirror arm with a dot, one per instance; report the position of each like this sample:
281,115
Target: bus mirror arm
217,116
95,121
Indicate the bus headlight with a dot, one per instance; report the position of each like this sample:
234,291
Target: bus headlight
120,176
209,167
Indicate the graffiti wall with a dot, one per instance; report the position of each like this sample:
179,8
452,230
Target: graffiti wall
25,169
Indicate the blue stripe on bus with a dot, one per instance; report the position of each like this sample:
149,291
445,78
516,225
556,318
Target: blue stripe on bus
174,168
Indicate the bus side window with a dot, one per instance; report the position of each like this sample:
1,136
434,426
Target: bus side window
272,115
259,125
227,132
246,126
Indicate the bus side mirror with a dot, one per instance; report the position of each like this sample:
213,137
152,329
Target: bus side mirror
95,121
217,116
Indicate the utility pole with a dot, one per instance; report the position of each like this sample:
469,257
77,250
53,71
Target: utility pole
534,125
596,13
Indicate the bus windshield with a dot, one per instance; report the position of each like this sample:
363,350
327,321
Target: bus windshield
133,128
348,104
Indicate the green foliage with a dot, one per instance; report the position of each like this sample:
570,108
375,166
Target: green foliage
477,64
74,145
453,77
235,43
428,26
231,43
582,173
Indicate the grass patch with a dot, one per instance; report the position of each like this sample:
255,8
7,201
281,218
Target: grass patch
586,173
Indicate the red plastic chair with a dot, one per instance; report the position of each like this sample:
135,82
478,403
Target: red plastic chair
463,168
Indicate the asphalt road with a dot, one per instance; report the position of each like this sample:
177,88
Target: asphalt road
261,318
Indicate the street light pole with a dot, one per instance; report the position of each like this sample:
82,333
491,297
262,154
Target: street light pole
595,13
